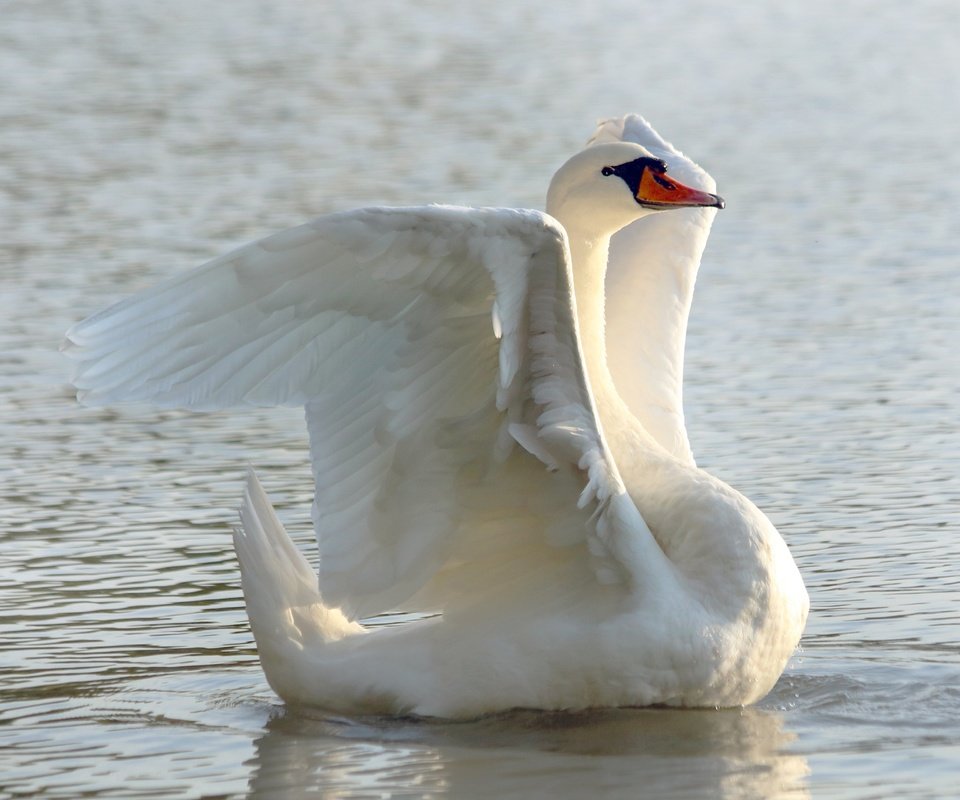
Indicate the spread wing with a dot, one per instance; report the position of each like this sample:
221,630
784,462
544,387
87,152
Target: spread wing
656,257
425,343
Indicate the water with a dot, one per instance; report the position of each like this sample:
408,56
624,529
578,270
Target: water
141,138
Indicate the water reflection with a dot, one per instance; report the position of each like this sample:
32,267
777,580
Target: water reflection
660,753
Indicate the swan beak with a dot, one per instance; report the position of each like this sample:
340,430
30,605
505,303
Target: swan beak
656,190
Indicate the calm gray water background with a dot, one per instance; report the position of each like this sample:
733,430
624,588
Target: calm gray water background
140,138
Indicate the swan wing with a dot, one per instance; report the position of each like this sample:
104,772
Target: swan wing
276,322
424,343
648,252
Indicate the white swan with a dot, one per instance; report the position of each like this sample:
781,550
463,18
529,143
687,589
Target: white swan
473,454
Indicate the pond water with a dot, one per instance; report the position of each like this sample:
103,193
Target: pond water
141,138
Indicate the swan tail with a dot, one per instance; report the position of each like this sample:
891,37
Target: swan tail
289,619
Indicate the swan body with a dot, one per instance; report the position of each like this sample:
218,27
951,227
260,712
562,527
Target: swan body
483,447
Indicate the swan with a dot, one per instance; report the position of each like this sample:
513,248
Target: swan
485,451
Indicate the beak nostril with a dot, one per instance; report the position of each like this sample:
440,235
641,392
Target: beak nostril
668,185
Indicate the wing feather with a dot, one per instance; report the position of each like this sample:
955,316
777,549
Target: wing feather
417,339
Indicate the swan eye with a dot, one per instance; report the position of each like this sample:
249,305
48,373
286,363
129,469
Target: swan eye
606,171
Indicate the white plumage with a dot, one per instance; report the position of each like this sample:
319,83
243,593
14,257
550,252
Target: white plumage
473,453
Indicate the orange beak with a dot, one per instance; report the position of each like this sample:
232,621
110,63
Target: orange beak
651,188
656,190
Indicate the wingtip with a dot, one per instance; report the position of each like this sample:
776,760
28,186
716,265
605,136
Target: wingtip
237,535
252,479
89,398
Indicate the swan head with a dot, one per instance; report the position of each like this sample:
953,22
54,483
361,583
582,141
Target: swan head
607,186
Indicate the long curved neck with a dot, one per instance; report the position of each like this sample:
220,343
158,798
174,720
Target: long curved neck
640,378
627,436
649,290
589,255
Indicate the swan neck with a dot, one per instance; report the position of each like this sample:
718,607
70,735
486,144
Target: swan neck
649,298
640,376
589,255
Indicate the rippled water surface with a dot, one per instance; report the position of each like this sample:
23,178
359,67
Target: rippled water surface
141,138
